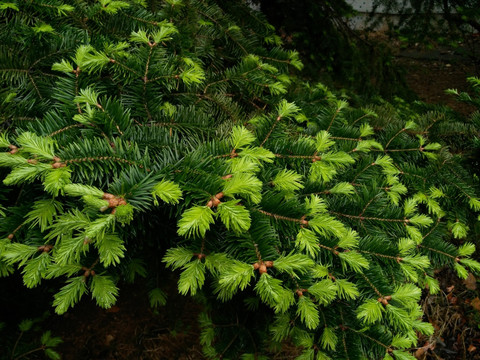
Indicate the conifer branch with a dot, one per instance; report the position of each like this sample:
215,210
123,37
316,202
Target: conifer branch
226,78
34,85
312,157
257,252
333,250
241,76
361,118
222,106
275,60
396,258
362,171
393,137
234,338
104,158
16,344
28,352
116,62
368,204
12,234
437,251
344,138
59,131
226,31
333,118
432,229
435,119
459,188
371,285
45,57
19,118
366,336
372,218
344,342
154,23
281,217
324,192
15,70
277,120
145,80
409,174
77,72
174,76
399,150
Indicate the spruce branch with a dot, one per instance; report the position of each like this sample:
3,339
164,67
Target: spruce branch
281,217
184,125
104,158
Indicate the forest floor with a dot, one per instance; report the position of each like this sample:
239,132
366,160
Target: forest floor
132,330
429,73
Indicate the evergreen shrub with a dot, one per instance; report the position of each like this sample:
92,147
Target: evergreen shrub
140,135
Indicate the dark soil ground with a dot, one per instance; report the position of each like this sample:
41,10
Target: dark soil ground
129,330
132,330
430,73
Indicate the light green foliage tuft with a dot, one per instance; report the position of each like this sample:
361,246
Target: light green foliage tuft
110,249
195,221
346,290
104,291
244,184
322,141
82,190
271,292
329,339
324,291
124,213
236,276
177,257
55,180
43,212
293,263
308,242
370,311
70,294
168,191
192,277
308,312
459,229
157,297
287,180
241,137
235,216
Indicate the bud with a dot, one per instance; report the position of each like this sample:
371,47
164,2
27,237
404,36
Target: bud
262,269
215,202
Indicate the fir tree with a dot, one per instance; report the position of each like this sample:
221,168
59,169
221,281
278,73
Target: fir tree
137,131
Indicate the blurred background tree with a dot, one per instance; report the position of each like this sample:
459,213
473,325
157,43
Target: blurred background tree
337,54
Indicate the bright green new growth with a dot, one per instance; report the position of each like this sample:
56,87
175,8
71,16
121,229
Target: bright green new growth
174,133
